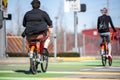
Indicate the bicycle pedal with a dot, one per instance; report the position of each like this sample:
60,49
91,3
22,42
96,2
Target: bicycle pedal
106,56
33,59
38,60
41,61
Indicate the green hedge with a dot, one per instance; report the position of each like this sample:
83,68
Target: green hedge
68,54
17,54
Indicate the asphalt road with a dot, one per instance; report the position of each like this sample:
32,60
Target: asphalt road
98,73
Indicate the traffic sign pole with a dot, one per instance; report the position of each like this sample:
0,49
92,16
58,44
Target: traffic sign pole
3,8
75,31
73,6
2,42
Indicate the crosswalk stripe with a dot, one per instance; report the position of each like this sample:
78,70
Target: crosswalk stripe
70,72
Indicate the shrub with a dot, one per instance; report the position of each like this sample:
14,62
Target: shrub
17,54
68,54
62,54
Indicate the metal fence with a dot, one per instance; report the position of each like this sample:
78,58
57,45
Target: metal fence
87,45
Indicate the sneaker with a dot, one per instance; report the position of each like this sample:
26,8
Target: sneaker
30,54
45,52
109,57
102,52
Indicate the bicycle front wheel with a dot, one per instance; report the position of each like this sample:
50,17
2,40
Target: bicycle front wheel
110,62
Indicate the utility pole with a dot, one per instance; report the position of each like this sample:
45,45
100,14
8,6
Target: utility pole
2,33
108,8
2,39
75,31
55,38
65,41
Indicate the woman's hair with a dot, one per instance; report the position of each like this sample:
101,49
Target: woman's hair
35,4
104,10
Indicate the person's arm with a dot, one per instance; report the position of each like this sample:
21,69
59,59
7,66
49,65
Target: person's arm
98,23
24,25
48,20
24,21
111,23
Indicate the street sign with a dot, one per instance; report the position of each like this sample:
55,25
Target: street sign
71,5
9,17
4,8
83,7
4,4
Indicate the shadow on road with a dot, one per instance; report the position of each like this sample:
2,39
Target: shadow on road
95,65
25,71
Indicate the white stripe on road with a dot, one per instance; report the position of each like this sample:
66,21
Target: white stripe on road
68,72
17,78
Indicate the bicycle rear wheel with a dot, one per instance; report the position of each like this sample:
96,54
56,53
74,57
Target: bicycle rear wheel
33,65
44,64
104,59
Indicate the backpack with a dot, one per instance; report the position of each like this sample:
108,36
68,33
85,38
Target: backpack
102,25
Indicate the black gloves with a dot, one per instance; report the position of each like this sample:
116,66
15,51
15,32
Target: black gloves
23,34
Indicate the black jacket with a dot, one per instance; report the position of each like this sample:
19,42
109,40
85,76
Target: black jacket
36,21
105,19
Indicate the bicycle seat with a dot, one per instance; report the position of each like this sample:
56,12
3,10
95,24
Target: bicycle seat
104,38
104,35
35,40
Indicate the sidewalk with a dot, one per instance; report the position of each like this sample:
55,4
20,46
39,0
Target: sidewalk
51,59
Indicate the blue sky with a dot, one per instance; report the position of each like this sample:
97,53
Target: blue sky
56,8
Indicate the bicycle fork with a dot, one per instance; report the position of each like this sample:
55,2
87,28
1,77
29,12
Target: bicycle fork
104,49
32,48
38,46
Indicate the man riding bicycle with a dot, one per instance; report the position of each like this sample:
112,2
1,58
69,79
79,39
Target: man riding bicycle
37,23
103,28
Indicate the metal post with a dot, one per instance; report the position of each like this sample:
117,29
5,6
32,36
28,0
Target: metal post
23,45
55,45
64,41
83,45
2,33
55,40
2,42
108,6
75,31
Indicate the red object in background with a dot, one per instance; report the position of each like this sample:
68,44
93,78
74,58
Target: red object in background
41,47
94,33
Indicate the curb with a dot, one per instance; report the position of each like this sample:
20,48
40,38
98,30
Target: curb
51,59
72,58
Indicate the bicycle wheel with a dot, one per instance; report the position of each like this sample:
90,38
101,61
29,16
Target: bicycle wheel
110,62
34,65
44,63
103,59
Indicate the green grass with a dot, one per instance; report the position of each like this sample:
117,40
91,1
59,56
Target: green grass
19,71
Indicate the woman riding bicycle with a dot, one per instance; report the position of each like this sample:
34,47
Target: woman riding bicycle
103,28
36,22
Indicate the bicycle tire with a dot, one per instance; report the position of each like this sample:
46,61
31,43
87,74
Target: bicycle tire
44,64
34,65
110,62
104,59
